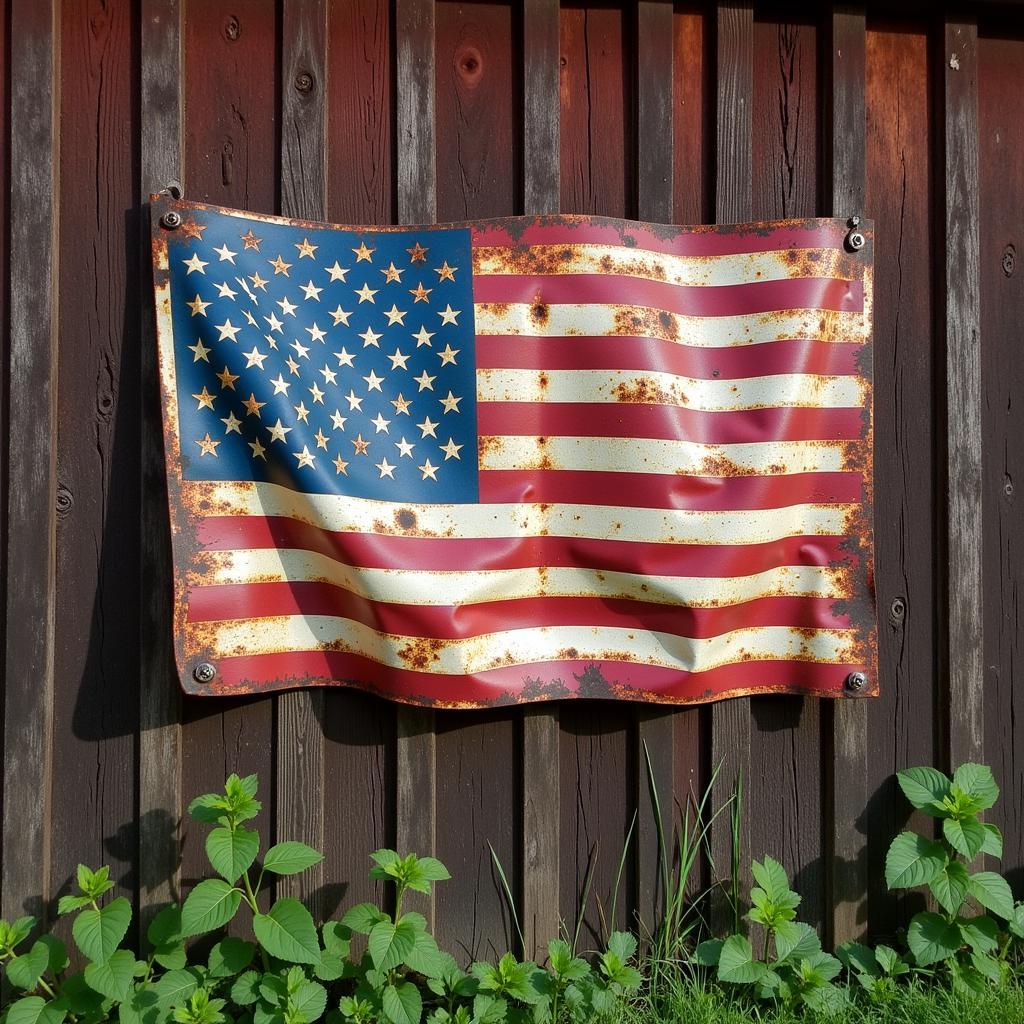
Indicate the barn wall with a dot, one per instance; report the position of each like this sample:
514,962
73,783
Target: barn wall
369,111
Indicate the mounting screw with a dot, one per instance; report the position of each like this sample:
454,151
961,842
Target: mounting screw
204,672
1008,260
171,220
897,610
856,681
304,82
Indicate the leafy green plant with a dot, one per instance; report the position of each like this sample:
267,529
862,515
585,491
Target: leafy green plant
971,947
800,971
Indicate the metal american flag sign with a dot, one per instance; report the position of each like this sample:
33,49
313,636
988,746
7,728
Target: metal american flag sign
518,460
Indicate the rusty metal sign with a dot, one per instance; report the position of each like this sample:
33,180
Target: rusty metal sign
518,460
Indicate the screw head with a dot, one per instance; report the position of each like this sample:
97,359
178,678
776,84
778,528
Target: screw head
855,240
171,220
304,82
856,681
204,672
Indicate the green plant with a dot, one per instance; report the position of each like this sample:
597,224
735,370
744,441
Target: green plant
800,971
972,948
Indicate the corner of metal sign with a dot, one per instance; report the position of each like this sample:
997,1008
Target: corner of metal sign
855,239
856,682
204,672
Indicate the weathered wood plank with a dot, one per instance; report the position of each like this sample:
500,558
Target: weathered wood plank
416,741
96,709
654,178
300,714
541,796
1001,230
230,66
964,604
730,719
31,455
903,722
847,884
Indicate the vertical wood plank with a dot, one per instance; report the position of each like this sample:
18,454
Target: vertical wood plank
964,608
32,476
541,796
300,714
730,719
416,742
848,776
159,694
655,47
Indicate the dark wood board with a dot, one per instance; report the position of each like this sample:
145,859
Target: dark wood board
1001,179
903,723
96,713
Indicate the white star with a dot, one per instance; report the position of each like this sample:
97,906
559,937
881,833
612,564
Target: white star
353,401
448,315
448,355
423,337
286,307
305,458
316,333
338,420
227,330
225,291
311,290
428,470
404,448
281,386
340,316
386,469
373,382
451,450
225,254
197,306
425,381
302,412
318,395
395,316
401,404
370,338
195,263
366,293
254,358
258,451
275,324
337,273
345,357
330,377
380,423
428,426
398,360
200,350
231,424
300,349
450,403
277,431
293,367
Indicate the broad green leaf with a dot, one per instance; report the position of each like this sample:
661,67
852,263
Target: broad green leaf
966,836
992,892
174,987
58,954
925,788
389,944
736,962
932,938
913,860
424,957
114,977
209,808
709,952
622,944
795,941
246,989
890,961
211,904
34,1010
232,851
977,782
432,869
76,997
290,858
949,887
165,928
25,971
330,966
362,917
824,966
288,932
98,933
993,844
309,1000
981,933
1016,925
771,876
987,966
967,979
403,1004
230,956
827,1000
69,904
859,958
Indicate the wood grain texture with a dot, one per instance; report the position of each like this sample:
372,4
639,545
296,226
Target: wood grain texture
654,180
359,754
300,715
31,465
1001,178
416,742
692,115
159,786
786,730
730,719
541,795
964,605
96,710
541,121
231,157
903,722
846,722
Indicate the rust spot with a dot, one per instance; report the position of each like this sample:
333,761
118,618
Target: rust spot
540,312
644,391
406,518
488,444
568,654
421,652
542,380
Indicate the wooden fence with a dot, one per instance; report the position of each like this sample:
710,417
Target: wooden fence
370,111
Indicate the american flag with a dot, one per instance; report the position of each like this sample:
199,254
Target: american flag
517,460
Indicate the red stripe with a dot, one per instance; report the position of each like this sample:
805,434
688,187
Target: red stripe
791,355
227,533
810,293
445,622
519,682
711,241
566,419
650,490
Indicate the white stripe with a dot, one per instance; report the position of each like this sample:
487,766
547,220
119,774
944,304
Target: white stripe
279,634
345,514
595,320
443,588
655,455
590,258
782,390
